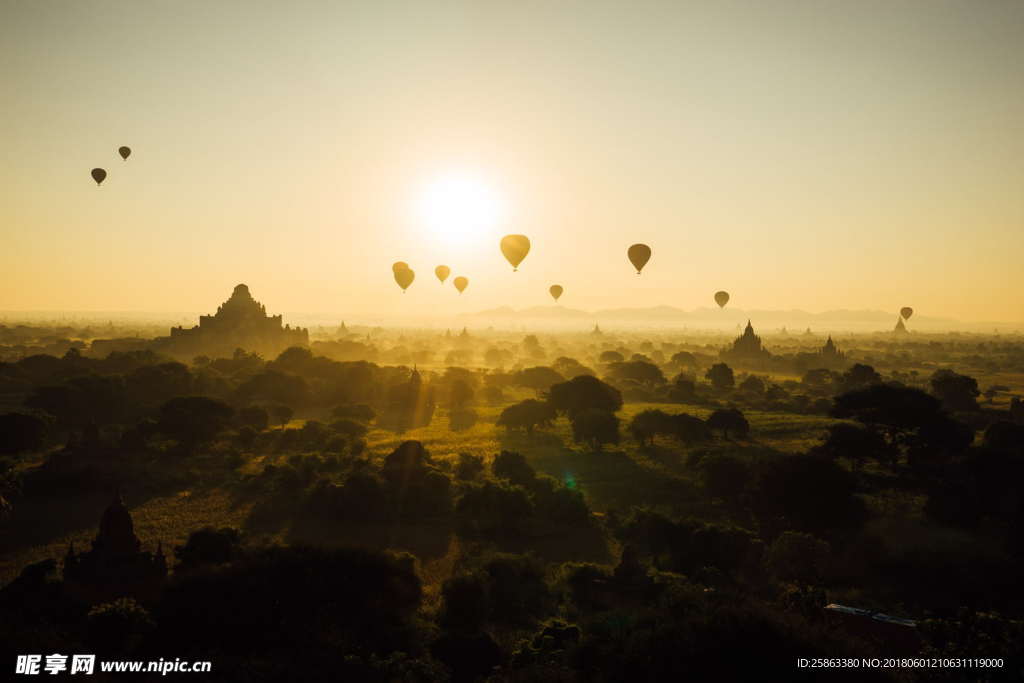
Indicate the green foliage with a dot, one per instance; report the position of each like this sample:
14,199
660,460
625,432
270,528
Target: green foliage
584,393
497,510
594,428
721,376
194,420
527,415
729,421
513,467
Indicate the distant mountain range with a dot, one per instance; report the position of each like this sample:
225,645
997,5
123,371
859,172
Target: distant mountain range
794,320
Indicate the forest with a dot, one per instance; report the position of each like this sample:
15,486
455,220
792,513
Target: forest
420,505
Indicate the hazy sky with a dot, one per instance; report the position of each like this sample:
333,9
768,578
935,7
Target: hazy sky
818,154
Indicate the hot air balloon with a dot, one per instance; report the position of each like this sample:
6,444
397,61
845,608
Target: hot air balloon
125,152
906,312
556,291
639,255
399,265
99,175
442,273
460,283
404,278
515,248
721,298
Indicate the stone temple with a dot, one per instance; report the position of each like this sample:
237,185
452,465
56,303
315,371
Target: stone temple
241,322
116,566
746,349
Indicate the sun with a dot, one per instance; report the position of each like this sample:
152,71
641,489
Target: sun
459,209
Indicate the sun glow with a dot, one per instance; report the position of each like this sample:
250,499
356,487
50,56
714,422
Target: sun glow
459,210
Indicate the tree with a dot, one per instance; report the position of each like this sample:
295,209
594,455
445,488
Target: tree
208,547
276,387
494,510
496,357
684,359
584,393
528,415
752,385
254,417
118,626
611,357
729,420
796,556
89,399
859,376
689,429
819,380
155,384
359,412
957,392
461,419
641,372
808,493
721,376
1004,436
570,367
468,466
194,420
460,395
724,476
538,378
595,427
684,389
895,411
513,467
281,413
464,604
856,444
349,427
651,423
20,433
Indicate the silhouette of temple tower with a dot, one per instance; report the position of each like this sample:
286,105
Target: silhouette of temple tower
116,566
829,356
900,327
746,348
240,322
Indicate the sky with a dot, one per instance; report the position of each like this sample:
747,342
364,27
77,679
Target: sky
816,154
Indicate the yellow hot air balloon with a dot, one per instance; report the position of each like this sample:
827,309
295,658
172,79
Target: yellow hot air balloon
399,265
442,273
721,298
556,291
515,248
460,283
639,255
906,312
404,278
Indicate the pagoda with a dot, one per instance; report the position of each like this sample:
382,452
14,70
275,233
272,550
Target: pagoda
240,322
116,566
747,348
